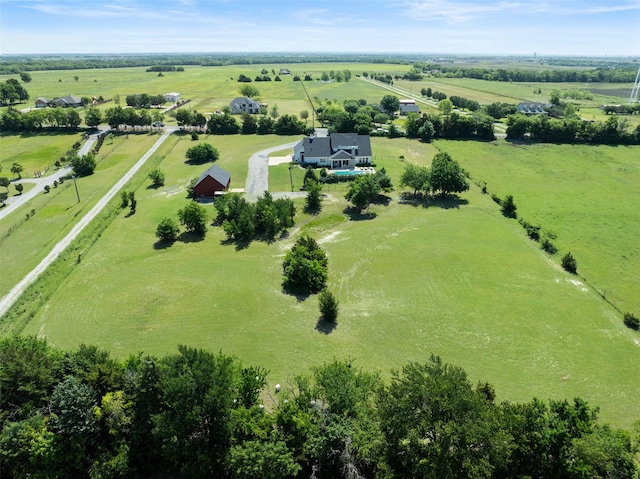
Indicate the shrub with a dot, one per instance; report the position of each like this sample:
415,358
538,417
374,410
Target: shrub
195,136
124,199
305,267
631,321
328,306
167,230
509,207
533,231
496,199
569,263
157,177
194,218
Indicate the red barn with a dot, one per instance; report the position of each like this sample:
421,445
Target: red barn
211,181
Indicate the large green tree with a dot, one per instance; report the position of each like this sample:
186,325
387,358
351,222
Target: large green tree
305,267
390,104
194,218
362,191
447,176
92,117
202,153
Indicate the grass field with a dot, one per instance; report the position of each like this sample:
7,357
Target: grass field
586,195
456,279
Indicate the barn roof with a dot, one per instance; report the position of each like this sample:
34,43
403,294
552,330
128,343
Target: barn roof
221,176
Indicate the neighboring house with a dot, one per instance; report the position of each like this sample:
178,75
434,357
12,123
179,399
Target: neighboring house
244,104
214,180
336,151
42,102
408,106
533,108
68,101
172,97
285,71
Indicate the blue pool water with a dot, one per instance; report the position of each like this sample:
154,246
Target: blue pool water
348,172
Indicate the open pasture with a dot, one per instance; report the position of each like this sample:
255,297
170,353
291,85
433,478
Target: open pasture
454,278
586,195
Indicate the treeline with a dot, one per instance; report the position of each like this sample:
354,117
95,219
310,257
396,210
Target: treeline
11,91
609,74
165,68
430,126
144,100
13,120
197,414
614,131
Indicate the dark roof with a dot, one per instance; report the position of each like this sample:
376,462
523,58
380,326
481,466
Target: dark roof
245,100
317,147
217,174
325,146
341,155
409,108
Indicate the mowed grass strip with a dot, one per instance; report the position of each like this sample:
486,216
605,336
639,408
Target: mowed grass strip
586,195
25,242
459,281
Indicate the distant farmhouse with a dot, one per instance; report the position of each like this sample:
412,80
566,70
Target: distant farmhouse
212,182
533,108
68,101
285,71
408,106
172,97
244,104
336,151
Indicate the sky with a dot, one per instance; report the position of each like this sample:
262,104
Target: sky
483,27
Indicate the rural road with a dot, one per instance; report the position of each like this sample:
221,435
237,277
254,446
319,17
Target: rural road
16,201
7,301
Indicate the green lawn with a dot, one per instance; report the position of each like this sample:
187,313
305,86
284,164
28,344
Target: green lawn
586,195
34,151
457,280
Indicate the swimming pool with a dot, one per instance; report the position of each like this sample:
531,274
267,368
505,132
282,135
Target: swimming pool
349,172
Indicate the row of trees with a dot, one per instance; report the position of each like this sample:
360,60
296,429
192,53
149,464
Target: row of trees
197,414
36,119
226,124
445,176
144,100
613,131
429,126
623,74
117,116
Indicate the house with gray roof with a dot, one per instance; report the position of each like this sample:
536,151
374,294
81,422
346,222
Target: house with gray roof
408,106
69,101
244,104
335,151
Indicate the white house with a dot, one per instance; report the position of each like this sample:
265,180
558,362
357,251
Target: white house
244,104
172,97
336,151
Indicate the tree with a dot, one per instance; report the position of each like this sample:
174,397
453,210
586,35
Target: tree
84,165
264,459
4,181
223,124
416,177
447,176
509,207
133,203
3,197
569,263
19,188
305,267
273,112
249,124
328,306
16,169
435,425
304,115
250,91
362,191
25,77
93,117
202,153
167,230
313,200
124,199
157,177
194,218
390,104
445,106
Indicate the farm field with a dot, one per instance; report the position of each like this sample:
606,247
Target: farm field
456,280
586,195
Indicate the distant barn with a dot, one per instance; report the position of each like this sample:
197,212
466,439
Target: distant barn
212,182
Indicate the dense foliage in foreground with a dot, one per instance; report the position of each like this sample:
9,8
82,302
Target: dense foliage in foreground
198,414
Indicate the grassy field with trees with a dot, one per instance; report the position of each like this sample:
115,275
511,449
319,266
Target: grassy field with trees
449,276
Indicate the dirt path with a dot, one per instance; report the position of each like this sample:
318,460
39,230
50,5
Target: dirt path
7,301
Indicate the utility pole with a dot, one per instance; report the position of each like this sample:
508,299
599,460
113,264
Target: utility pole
76,185
290,176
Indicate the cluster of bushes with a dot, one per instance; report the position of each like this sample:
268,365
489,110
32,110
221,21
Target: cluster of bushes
165,68
144,100
499,110
196,414
307,77
540,127
244,221
117,116
430,126
381,77
445,176
628,109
